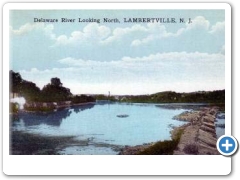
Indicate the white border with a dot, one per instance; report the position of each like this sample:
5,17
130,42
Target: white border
114,165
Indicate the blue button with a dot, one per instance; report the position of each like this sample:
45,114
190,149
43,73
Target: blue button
227,145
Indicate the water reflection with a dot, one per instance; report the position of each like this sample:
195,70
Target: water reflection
50,118
78,109
220,124
174,106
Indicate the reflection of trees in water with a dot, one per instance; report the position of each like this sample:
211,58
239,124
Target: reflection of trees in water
50,118
80,108
182,106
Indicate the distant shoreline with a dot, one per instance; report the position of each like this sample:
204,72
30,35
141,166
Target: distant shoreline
58,107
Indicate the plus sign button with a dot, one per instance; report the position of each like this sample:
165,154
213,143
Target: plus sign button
227,145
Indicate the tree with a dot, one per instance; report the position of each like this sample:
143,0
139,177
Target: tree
15,81
30,91
24,88
56,82
55,92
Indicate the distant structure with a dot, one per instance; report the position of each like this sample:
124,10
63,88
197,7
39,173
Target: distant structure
13,95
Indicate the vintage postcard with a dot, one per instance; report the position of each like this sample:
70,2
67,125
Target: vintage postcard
118,79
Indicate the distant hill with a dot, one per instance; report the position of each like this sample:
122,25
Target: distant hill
217,96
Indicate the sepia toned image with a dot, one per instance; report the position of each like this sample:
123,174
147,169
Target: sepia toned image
116,82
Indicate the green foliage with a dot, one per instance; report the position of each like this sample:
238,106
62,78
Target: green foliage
30,91
56,82
163,147
82,99
101,97
14,107
39,108
24,88
53,93
173,97
104,97
15,81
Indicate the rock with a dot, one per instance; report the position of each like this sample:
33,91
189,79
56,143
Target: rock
210,125
208,129
200,136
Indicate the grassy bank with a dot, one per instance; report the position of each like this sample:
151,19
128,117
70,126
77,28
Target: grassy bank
164,147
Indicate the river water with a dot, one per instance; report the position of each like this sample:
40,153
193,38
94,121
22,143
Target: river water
101,125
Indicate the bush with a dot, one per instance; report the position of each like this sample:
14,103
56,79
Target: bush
163,147
42,109
14,107
82,99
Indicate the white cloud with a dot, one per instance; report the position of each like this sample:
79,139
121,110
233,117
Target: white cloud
222,50
178,71
155,31
27,28
94,34
158,31
198,22
90,33
219,27
152,61
119,33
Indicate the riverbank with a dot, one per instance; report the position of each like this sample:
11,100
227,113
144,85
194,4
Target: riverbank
48,107
198,136
30,144
22,143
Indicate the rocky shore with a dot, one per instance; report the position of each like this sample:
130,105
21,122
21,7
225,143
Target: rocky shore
198,137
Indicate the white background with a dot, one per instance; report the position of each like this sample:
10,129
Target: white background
235,88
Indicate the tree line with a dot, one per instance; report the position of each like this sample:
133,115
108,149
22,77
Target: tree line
217,96
51,92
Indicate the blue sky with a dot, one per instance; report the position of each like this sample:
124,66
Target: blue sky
124,58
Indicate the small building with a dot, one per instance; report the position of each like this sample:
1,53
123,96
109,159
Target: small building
13,95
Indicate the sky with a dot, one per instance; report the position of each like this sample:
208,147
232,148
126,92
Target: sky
123,58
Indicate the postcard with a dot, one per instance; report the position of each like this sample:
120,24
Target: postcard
110,83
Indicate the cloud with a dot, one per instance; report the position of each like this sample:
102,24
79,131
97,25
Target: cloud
151,63
158,31
91,33
28,27
219,27
119,33
178,71
198,22
155,31
223,50
136,35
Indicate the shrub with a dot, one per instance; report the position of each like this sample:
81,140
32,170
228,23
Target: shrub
163,147
14,107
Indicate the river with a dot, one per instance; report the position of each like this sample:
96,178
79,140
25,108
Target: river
101,128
